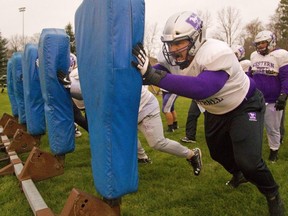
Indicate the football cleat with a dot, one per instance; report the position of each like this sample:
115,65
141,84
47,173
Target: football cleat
273,156
237,179
196,161
187,140
275,205
145,161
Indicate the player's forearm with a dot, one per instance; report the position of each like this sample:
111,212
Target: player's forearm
203,86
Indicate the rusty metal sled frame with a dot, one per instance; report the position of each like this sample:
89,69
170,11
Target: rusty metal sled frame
78,202
37,203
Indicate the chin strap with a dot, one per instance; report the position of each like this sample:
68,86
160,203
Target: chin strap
184,64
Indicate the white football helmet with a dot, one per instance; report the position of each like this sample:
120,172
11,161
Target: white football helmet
183,26
73,62
265,36
239,51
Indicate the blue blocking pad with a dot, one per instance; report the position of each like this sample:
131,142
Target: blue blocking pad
34,103
106,31
54,55
18,85
10,89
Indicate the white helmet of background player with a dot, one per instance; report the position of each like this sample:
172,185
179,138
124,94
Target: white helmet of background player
73,62
265,36
239,51
183,26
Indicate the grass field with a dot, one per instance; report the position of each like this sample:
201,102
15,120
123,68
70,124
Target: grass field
167,187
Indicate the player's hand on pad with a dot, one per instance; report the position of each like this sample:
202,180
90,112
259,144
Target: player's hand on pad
149,74
64,79
142,64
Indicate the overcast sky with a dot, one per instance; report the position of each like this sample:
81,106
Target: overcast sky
41,14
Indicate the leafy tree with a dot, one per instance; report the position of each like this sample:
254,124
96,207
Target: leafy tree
281,24
273,25
3,55
69,31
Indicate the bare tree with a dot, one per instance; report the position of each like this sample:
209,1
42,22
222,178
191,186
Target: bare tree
152,39
249,34
205,17
35,38
229,25
15,43
253,28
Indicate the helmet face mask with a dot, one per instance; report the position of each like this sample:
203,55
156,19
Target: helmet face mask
182,26
262,47
179,56
265,42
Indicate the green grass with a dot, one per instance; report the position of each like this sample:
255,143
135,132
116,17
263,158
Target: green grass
166,187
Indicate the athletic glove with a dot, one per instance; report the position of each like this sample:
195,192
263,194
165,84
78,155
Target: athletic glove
150,75
281,102
64,79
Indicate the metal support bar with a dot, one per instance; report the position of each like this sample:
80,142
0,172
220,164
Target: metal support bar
37,203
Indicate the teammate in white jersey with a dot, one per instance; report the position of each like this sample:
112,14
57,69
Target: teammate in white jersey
270,73
240,54
208,71
150,124
71,82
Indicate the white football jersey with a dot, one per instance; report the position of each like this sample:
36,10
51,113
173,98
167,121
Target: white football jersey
215,55
270,63
75,89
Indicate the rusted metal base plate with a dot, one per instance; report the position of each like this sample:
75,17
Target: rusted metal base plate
80,203
5,117
41,165
11,127
22,142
